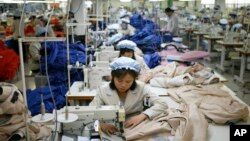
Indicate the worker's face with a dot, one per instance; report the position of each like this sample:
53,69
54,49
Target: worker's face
168,14
123,84
128,54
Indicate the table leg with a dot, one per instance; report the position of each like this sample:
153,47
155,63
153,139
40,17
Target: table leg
222,59
198,42
242,70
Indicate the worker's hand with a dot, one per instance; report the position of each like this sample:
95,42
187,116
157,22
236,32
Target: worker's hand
132,122
109,129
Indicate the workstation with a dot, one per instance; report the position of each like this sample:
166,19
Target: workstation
114,70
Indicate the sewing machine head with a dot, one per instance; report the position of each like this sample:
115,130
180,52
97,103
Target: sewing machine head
107,55
97,74
232,37
87,115
215,30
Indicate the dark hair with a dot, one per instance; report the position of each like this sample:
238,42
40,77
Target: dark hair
123,50
120,73
169,10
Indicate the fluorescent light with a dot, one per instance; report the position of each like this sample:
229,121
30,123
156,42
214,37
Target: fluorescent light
155,0
32,1
125,0
237,2
207,1
186,0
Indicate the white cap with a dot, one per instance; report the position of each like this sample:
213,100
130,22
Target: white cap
125,63
125,20
115,38
223,21
173,8
126,44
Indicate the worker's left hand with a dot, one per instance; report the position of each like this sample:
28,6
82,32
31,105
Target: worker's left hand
133,121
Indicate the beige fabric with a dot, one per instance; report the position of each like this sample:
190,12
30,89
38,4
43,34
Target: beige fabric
216,104
34,51
134,100
142,63
128,32
187,124
9,103
174,75
176,81
12,116
146,76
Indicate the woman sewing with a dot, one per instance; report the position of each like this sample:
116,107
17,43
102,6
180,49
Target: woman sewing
125,90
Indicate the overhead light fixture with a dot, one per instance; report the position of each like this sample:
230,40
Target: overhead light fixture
237,2
186,0
207,1
155,0
32,1
125,0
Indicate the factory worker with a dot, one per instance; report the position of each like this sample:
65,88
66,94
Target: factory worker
125,28
224,24
239,28
125,90
128,49
217,14
34,51
172,25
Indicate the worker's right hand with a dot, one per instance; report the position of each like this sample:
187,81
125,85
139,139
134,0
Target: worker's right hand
109,129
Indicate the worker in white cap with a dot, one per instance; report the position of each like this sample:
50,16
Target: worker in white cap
127,48
125,28
172,25
124,90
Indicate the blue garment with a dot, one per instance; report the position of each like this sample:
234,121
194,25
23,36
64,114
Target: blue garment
152,60
149,44
136,21
34,99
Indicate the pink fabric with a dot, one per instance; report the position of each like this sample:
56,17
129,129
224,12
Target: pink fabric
187,56
193,55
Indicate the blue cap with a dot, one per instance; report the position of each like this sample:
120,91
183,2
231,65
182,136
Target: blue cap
127,63
126,44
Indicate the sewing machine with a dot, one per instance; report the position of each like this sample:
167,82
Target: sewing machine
215,30
231,37
106,55
87,117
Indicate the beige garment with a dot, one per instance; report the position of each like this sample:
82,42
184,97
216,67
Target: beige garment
8,107
165,82
186,125
146,76
11,100
216,104
140,60
128,32
7,89
16,122
34,51
134,101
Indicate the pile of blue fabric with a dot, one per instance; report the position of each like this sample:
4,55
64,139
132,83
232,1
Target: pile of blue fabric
57,61
58,75
34,99
146,39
